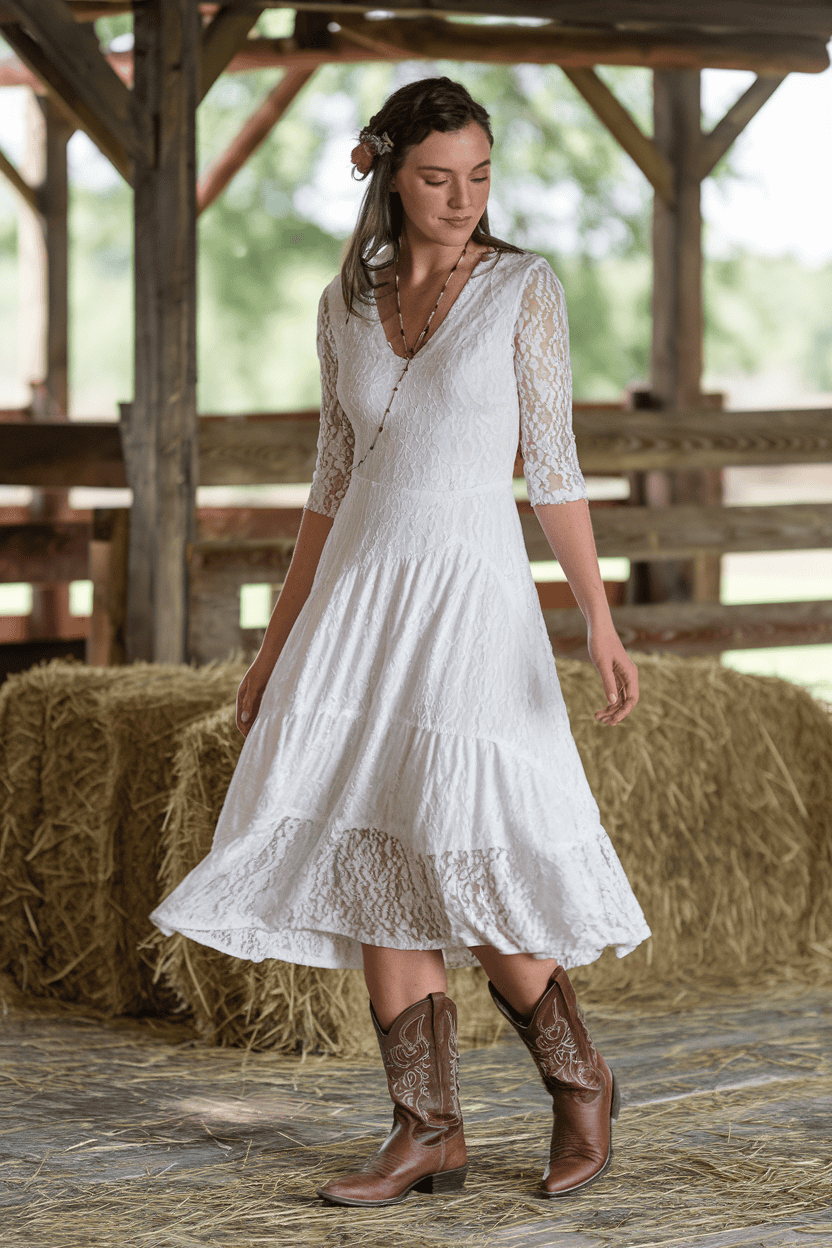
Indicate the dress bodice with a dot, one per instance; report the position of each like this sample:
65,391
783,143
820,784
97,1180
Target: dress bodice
495,371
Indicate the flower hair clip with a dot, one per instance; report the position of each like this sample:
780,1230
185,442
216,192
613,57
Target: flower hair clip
369,146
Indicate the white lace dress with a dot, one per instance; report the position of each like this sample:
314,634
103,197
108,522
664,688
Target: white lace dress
411,779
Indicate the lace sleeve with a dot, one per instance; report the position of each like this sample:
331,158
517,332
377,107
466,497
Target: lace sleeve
336,439
544,388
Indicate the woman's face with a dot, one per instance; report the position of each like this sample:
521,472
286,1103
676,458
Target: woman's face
444,183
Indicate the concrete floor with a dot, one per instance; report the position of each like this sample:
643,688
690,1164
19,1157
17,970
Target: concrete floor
130,1133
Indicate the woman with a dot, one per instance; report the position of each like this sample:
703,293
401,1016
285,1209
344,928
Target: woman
409,790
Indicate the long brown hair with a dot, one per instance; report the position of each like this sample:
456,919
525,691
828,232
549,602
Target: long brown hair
407,117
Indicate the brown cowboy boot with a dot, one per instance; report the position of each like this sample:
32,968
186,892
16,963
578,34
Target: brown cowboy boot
426,1148
582,1086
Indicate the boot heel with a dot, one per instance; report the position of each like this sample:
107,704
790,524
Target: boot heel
439,1184
616,1098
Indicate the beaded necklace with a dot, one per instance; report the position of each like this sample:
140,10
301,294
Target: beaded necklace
410,352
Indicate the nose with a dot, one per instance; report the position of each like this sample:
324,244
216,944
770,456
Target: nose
460,196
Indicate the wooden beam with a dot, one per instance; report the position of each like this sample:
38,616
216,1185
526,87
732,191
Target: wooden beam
61,455
654,533
434,39
62,93
611,113
26,192
280,447
573,49
222,39
669,533
676,349
253,133
44,553
161,425
67,58
54,196
715,144
765,16
236,452
701,438
677,328
690,628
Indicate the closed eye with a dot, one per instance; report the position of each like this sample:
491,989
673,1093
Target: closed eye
442,183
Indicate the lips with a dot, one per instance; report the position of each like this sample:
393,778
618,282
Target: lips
457,220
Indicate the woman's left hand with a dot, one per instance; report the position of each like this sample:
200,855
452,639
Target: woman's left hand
618,672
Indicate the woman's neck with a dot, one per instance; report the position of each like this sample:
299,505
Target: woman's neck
421,259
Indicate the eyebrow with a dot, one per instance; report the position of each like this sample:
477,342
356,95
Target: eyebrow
440,169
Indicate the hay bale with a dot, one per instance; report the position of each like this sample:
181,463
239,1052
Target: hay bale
716,792
86,756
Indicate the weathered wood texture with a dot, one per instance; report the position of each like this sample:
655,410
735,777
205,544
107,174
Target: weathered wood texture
663,533
224,35
576,47
161,428
252,135
677,329
690,628
55,215
43,323
66,57
257,449
280,447
218,569
701,438
676,346
56,550
751,15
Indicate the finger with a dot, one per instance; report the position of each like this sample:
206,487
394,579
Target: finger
244,716
247,713
627,679
615,715
610,686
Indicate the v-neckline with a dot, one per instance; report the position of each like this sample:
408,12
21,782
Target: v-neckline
378,322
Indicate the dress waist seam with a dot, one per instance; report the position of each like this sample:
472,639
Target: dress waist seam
486,487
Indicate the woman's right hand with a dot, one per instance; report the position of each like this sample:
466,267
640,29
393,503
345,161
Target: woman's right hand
250,693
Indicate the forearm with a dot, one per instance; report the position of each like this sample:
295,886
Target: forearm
568,529
312,535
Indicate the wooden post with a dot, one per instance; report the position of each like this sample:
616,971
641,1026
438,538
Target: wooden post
108,572
677,332
44,315
161,432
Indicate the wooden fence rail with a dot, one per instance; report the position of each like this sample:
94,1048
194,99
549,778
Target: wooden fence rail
53,552
690,628
279,447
